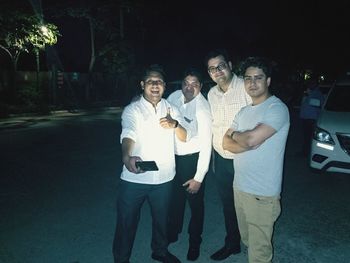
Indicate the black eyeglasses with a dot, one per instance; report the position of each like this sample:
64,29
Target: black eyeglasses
220,67
155,82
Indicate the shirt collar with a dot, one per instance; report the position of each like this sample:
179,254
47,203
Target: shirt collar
148,104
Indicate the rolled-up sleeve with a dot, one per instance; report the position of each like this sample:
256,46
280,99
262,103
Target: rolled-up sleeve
129,124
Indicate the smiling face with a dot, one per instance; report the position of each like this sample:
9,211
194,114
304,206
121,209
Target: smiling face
153,87
191,87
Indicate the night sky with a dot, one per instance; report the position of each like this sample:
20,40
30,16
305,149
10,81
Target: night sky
295,34
310,34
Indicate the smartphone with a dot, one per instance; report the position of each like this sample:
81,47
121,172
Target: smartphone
147,165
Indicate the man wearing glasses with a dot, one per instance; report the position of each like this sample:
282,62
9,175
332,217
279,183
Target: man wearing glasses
149,127
225,99
192,162
258,134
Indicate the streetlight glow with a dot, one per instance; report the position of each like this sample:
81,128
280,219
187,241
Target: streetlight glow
44,30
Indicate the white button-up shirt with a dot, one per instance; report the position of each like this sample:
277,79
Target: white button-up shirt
140,123
198,116
224,107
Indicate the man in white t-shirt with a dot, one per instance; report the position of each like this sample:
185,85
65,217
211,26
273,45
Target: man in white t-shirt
258,136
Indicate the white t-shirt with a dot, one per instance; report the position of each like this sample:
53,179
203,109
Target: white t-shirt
259,171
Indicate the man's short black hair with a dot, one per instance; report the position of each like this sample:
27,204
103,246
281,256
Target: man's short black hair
193,72
258,62
215,53
153,68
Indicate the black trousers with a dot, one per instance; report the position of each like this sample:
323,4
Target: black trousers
224,173
131,197
186,167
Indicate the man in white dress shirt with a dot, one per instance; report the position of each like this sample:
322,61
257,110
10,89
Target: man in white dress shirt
225,99
192,161
150,125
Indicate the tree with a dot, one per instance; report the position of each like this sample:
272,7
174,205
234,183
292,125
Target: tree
41,35
14,29
21,32
111,49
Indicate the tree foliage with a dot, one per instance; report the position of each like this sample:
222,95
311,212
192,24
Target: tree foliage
42,35
112,28
21,32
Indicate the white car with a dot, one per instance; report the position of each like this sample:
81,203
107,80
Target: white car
330,147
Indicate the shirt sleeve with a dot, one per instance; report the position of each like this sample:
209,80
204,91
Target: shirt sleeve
171,98
204,119
276,116
129,124
176,115
209,98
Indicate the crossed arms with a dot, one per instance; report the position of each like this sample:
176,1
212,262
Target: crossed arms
238,142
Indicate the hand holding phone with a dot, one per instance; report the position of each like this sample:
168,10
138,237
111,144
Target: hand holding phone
147,165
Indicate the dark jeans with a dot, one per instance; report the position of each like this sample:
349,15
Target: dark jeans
186,167
131,197
223,175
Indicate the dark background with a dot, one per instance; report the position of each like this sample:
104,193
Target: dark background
295,34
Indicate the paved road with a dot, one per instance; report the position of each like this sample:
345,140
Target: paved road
58,190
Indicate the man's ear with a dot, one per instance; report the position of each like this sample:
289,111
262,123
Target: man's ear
142,84
230,65
268,81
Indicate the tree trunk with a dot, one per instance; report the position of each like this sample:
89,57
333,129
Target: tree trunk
37,59
11,89
92,61
121,22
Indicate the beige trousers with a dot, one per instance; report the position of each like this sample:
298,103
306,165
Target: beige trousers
256,217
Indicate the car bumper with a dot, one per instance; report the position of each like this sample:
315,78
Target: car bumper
330,158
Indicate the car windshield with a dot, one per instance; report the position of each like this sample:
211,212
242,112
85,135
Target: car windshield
339,99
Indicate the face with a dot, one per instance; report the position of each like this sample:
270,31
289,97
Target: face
256,83
153,87
191,87
220,70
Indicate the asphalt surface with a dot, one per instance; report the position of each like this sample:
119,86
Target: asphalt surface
58,191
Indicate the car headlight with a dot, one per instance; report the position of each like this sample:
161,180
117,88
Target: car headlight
323,136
